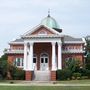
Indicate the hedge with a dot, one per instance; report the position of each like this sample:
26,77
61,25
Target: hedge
64,74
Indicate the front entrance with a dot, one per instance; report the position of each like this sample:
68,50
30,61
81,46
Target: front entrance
44,62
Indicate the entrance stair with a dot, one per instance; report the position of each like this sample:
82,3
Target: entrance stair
41,76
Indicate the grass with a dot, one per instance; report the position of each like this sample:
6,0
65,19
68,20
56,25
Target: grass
8,81
75,82
48,87
43,88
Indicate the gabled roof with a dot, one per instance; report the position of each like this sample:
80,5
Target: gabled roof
39,26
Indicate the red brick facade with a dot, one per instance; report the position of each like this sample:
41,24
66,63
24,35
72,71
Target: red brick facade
39,48
12,57
28,75
53,75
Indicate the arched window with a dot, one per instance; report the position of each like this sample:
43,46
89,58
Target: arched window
44,58
43,32
44,55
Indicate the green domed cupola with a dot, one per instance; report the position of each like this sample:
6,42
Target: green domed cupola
50,22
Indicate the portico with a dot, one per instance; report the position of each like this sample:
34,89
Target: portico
45,50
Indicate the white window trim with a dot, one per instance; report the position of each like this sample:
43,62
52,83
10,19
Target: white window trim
44,33
21,62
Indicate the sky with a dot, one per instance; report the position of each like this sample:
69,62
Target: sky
19,16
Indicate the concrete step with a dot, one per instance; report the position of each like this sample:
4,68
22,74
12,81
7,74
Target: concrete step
41,76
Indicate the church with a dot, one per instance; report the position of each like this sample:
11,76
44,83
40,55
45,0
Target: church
43,50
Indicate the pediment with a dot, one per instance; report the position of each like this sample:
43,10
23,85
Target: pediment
41,30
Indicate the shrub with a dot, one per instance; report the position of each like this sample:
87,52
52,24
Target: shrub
77,75
73,64
87,61
85,72
82,71
63,74
88,73
17,74
1,77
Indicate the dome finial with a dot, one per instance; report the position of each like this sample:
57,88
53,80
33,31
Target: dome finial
48,12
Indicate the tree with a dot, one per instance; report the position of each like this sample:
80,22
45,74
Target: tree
88,61
3,66
9,71
73,64
87,45
87,50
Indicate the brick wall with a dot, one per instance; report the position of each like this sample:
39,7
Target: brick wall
46,48
53,75
12,57
40,48
28,75
77,56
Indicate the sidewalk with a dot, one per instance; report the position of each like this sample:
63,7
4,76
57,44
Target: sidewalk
36,83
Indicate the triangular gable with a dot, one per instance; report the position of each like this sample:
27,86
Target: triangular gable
41,29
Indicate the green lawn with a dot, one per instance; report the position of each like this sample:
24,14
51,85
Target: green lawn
42,88
75,82
47,87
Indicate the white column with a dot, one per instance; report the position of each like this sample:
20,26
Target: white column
59,56
30,60
25,57
53,57
81,49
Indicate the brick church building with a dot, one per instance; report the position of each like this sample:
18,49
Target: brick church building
44,49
